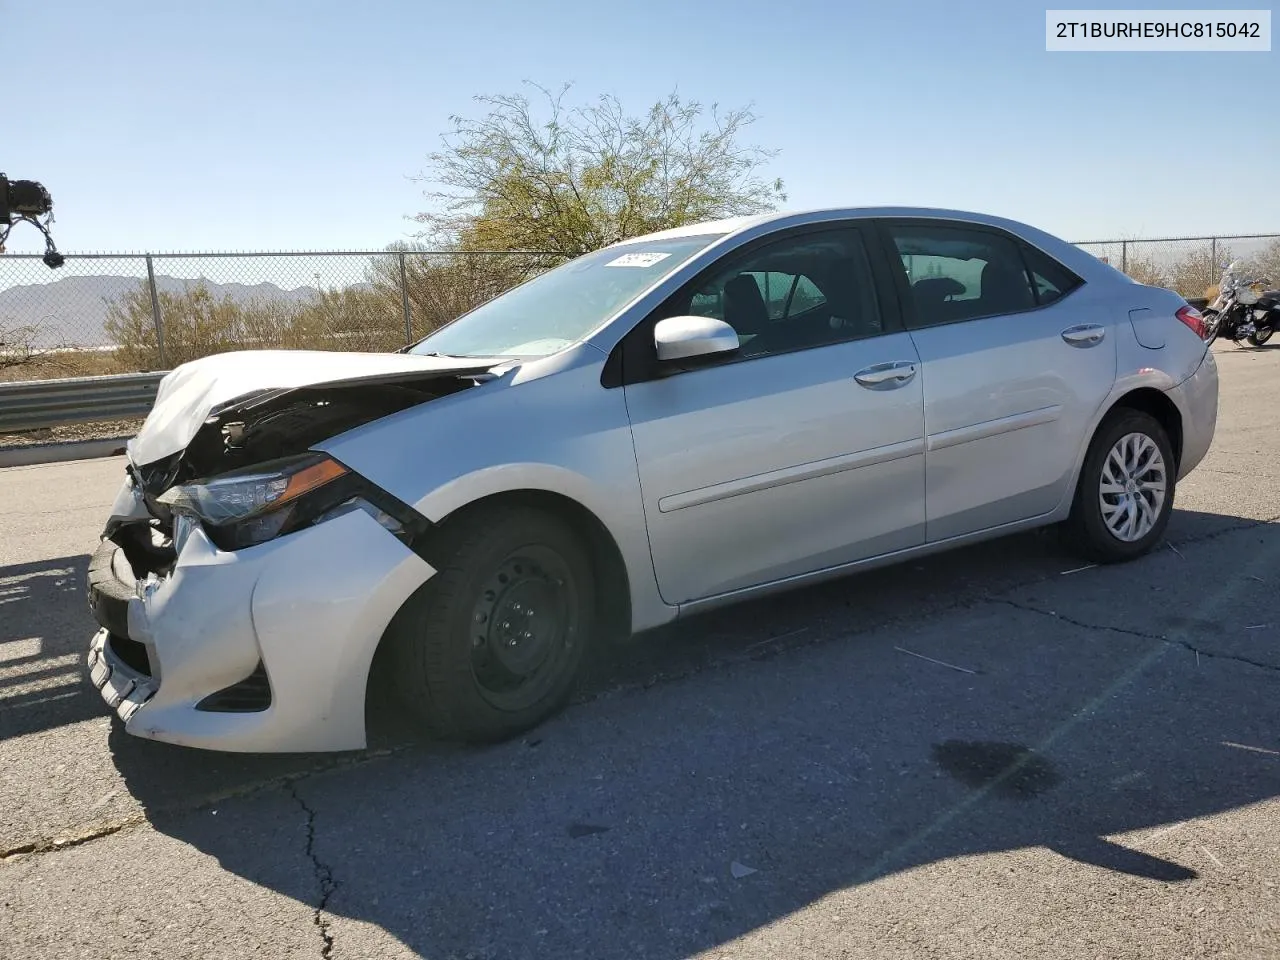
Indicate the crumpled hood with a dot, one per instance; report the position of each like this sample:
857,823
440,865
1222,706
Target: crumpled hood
191,391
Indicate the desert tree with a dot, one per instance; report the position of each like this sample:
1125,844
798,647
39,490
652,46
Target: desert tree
19,346
1197,271
561,180
1266,262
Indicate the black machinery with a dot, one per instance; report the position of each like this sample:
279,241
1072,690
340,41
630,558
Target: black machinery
28,201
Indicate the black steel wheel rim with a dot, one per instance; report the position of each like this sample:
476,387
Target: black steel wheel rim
524,627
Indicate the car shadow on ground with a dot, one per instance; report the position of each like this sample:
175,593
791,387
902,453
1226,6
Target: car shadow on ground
172,777
44,628
658,819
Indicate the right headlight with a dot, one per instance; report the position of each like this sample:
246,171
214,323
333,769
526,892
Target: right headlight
251,506
247,507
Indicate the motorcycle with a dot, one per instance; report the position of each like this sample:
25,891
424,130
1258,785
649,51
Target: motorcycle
1243,309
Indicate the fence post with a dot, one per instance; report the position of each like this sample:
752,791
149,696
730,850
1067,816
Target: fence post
1124,256
155,311
1213,253
404,302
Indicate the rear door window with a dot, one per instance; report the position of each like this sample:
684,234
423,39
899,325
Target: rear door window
956,273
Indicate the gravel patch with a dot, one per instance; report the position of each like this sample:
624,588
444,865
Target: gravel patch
103,430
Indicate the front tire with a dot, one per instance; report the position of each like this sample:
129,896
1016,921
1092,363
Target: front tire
493,643
1125,492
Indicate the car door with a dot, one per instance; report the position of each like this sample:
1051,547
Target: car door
800,451
1013,368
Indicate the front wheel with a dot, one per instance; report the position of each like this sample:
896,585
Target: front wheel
492,644
1125,492
1261,336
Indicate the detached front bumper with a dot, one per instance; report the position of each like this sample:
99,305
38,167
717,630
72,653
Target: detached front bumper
265,649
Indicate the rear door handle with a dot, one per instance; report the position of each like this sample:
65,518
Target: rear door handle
1084,335
886,376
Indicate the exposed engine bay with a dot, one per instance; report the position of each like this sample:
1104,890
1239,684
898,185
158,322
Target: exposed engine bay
277,423
269,427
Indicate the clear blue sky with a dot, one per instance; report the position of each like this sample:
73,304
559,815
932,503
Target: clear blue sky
288,124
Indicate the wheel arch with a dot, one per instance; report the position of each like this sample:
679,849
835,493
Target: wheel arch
613,599
1144,397
1157,404
1082,522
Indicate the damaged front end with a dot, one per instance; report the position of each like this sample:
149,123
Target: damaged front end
202,597
249,475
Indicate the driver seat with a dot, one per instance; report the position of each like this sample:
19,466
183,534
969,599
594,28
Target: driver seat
744,306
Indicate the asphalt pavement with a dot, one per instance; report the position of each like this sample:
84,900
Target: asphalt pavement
991,753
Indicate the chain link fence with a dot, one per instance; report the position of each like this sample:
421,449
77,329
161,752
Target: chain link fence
1189,265
126,313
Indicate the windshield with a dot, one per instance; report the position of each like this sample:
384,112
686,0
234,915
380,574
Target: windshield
560,307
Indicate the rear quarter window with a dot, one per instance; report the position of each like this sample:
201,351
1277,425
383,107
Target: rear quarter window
1050,280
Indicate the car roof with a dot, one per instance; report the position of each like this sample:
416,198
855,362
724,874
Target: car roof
1084,263
737,224
705,228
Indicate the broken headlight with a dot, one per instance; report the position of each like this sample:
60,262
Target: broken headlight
248,507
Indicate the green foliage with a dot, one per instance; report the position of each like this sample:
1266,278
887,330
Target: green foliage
197,324
1200,268
18,346
442,287
1145,270
1267,263
1193,274
362,316
577,179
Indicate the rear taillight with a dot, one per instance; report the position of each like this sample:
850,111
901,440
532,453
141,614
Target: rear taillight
1192,318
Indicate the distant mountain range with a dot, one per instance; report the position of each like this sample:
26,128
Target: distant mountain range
71,311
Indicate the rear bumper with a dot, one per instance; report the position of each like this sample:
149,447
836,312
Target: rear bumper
265,649
1197,400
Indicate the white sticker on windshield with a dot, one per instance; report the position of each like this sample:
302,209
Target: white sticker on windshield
637,259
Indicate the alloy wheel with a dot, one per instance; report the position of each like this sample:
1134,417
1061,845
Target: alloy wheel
1132,488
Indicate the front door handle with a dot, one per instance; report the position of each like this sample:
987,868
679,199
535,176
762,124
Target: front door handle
886,376
1084,335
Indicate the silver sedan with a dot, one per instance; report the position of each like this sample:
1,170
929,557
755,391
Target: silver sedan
676,422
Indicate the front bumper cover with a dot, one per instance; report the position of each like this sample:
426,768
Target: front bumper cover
304,613
124,689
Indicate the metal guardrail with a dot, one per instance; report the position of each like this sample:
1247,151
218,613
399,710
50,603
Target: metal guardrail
35,404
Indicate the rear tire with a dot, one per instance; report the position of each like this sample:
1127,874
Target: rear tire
1258,338
1125,492
493,643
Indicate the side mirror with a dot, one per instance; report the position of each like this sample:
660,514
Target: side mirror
683,338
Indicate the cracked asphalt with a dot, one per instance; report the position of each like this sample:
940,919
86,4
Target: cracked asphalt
992,753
